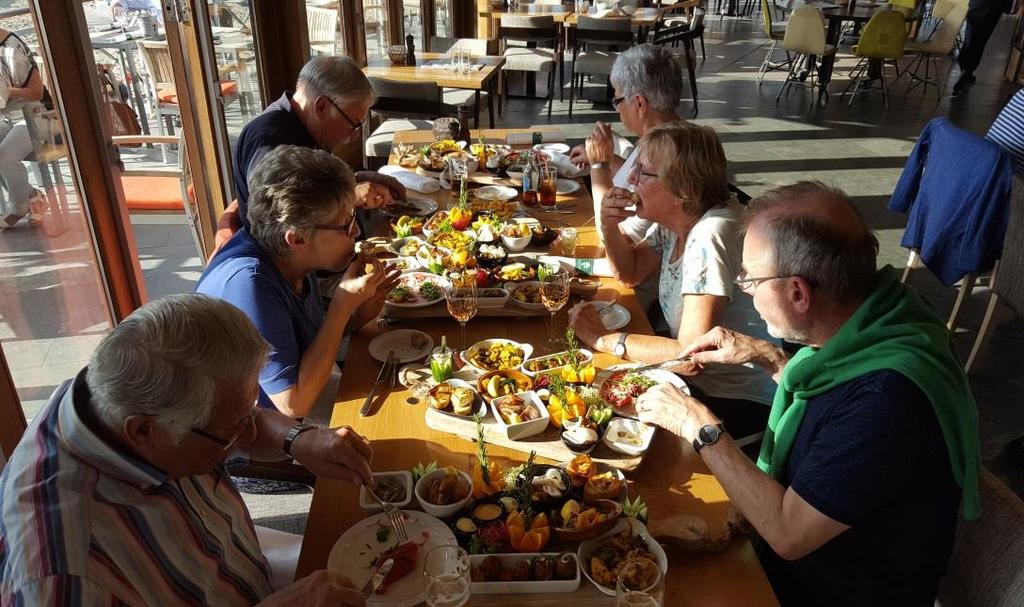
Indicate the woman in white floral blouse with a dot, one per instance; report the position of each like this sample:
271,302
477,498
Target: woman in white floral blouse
696,240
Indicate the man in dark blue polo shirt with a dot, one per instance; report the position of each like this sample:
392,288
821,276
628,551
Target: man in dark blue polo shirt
331,100
872,440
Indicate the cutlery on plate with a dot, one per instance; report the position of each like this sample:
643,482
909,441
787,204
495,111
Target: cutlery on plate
377,578
393,514
365,410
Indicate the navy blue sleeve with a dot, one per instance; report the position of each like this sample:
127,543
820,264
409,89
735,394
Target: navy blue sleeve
864,453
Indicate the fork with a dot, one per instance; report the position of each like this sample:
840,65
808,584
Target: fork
394,515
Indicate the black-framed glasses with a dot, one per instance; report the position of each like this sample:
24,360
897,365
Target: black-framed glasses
617,101
230,443
351,123
344,228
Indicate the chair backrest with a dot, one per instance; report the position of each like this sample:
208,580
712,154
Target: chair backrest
528,28
948,29
476,46
805,31
984,569
941,8
615,33
1010,286
909,4
883,37
766,12
157,59
322,24
407,98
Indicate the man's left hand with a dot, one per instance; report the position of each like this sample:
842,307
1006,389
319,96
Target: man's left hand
394,186
372,195
669,407
335,453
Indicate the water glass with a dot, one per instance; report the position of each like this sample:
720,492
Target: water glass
649,593
446,577
568,237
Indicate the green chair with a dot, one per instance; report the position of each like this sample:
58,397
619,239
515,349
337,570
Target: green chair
775,32
881,40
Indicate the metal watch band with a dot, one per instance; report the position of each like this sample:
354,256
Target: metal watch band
293,433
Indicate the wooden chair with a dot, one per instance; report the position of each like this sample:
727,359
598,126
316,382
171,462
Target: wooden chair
322,24
477,47
161,196
48,149
542,53
595,45
157,59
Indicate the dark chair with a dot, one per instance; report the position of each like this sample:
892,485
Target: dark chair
403,106
595,45
684,34
542,53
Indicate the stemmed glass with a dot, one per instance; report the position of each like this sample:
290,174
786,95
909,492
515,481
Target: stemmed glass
461,299
554,294
640,583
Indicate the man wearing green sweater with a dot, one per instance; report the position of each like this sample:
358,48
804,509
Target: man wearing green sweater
872,441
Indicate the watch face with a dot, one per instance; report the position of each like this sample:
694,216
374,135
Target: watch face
708,434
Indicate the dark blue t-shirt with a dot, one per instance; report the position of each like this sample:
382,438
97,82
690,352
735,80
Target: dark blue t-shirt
870,454
243,274
277,125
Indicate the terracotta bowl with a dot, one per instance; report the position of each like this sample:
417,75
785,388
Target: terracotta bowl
612,508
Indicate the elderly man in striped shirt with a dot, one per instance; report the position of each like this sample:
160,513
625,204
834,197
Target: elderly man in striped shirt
118,495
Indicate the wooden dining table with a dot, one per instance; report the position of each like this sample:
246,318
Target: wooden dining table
483,77
673,479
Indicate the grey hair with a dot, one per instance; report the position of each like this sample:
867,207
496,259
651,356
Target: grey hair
170,357
294,188
838,262
651,71
336,76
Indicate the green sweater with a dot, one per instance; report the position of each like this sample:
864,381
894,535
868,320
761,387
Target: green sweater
893,329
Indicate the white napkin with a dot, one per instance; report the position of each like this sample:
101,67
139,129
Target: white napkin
565,167
546,137
419,183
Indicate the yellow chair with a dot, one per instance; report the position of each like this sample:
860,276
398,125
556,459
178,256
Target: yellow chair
775,32
805,36
881,39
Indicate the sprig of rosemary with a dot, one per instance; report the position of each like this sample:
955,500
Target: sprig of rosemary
481,450
572,349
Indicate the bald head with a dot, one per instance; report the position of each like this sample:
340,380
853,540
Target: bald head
813,231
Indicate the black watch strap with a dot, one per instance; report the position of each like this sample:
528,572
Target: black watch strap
294,433
715,432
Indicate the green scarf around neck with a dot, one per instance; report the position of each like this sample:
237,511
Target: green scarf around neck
893,329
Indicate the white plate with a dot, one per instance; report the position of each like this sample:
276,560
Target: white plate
614,319
496,192
512,287
566,186
413,280
558,148
486,343
658,375
356,550
529,587
411,264
479,406
397,244
644,431
399,341
587,548
425,207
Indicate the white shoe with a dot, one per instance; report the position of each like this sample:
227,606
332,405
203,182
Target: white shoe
37,204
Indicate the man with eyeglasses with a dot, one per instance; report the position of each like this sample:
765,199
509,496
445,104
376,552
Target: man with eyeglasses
872,439
300,222
331,101
118,493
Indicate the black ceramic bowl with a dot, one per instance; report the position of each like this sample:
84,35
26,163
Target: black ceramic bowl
543,236
490,262
540,501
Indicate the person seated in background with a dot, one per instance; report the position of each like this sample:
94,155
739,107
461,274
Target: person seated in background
332,100
648,83
873,434
694,248
118,494
300,221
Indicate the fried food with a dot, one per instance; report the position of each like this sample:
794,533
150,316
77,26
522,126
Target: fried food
602,486
446,489
580,469
611,554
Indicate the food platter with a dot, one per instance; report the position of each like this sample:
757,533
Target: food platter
357,549
619,388
413,290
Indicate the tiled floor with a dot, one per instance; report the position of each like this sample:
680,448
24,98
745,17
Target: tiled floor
861,149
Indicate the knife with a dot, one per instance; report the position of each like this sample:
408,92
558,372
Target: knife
665,364
377,577
365,410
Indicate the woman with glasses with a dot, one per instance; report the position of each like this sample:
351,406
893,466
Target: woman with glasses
695,248
301,204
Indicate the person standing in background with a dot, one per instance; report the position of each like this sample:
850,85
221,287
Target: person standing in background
982,18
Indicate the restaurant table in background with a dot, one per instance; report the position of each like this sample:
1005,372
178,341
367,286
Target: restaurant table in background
673,480
482,76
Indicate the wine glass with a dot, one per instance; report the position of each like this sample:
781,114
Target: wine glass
640,583
554,294
446,577
461,299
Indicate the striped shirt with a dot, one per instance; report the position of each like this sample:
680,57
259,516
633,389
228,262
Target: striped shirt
1008,130
84,524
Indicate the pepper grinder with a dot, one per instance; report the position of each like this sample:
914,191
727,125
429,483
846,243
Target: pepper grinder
410,56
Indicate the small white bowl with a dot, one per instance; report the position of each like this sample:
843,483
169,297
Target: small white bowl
516,243
511,288
524,429
498,301
403,476
487,343
515,174
637,529
645,434
435,509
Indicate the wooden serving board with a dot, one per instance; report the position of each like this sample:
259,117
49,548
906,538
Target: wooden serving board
546,444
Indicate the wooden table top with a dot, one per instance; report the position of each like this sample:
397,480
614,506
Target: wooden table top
678,482
643,17
476,79
858,12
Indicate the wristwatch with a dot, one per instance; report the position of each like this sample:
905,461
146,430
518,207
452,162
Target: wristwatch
294,433
708,435
598,165
620,346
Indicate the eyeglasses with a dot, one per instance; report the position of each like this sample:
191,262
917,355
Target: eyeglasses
749,285
641,172
230,443
351,123
617,101
345,228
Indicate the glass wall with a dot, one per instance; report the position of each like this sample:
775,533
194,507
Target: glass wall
376,28
442,19
53,305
